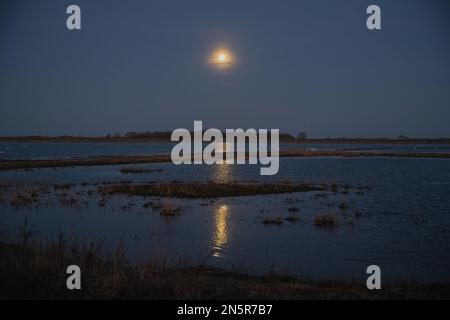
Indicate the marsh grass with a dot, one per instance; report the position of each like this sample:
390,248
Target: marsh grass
22,198
31,270
344,206
25,232
131,160
203,189
321,195
68,200
165,207
169,209
152,205
325,220
63,186
102,202
137,170
272,221
292,219
357,214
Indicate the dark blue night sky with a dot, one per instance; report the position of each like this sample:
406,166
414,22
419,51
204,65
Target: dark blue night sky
300,66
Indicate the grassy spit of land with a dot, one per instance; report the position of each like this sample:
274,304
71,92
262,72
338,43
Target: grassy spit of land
30,271
89,161
204,189
117,160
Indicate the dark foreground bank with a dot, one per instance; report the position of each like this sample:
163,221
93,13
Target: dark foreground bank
39,272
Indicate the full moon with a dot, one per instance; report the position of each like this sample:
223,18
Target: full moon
221,59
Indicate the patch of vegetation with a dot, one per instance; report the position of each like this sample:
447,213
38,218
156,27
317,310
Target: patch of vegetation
357,214
137,170
126,160
102,203
272,221
128,206
344,206
152,205
30,271
292,219
204,189
65,186
325,220
169,209
21,198
69,201
322,195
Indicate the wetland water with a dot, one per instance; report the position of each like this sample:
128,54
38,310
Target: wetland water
9,151
393,212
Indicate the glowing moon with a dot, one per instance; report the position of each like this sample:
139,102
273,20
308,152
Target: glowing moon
221,59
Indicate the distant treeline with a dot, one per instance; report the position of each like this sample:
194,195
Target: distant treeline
164,136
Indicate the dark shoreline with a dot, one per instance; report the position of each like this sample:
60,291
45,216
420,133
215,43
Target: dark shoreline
31,271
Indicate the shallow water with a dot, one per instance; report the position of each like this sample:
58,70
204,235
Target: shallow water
9,151
404,222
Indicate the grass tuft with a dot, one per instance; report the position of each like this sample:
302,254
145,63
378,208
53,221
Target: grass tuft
292,219
169,209
272,221
137,170
326,220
